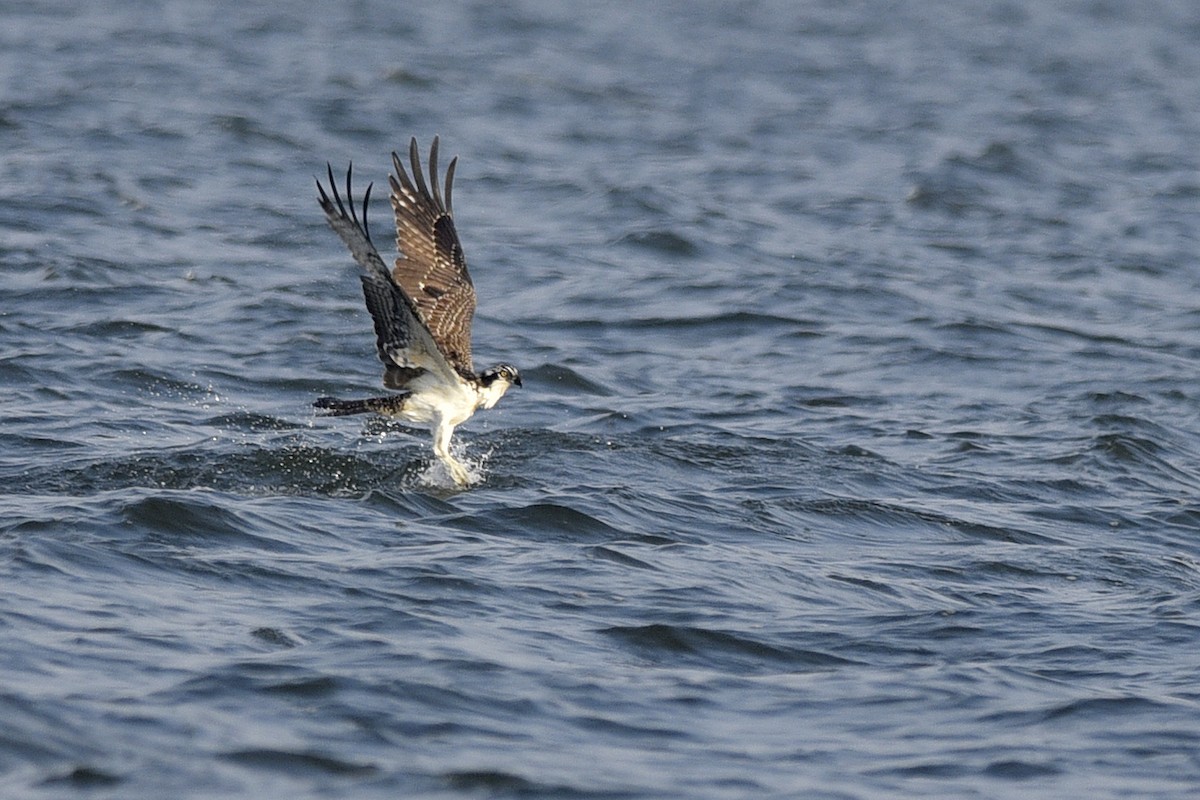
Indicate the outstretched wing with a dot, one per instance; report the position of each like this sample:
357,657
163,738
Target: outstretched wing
431,268
403,341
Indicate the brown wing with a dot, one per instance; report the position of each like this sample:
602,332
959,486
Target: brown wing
405,345
431,268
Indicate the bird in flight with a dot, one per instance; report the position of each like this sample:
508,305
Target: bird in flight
422,308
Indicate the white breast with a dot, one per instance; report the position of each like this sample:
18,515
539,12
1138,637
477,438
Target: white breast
434,401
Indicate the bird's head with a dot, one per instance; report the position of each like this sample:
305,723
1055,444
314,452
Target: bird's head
494,382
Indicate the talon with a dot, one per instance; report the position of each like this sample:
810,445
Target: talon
457,472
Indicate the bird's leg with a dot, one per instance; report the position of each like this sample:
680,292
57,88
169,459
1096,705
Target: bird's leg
441,449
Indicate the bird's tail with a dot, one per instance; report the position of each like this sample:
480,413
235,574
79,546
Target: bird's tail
333,407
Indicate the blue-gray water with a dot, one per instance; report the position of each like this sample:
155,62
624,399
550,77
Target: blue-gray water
857,455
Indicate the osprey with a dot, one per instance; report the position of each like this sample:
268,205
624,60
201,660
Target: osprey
422,308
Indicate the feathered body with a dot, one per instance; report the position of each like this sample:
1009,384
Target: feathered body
422,308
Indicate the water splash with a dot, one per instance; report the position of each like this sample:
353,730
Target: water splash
435,475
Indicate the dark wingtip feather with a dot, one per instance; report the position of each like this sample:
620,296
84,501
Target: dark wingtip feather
450,184
337,206
401,176
322,198
433,176
366,200
333,187
414,157
350,194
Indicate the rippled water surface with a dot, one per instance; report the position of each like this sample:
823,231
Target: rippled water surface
856,457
